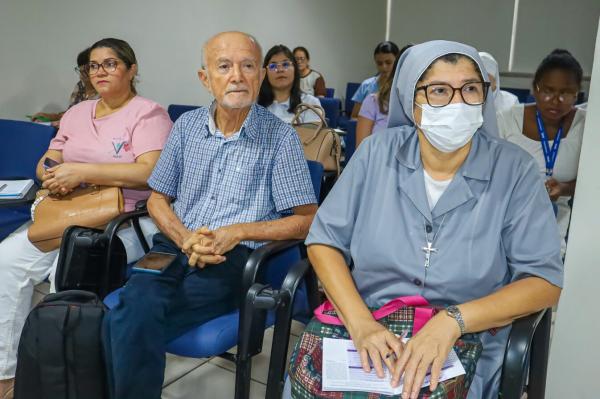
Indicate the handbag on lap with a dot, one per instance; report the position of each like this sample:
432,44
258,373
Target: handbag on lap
92,206
321,143
405,314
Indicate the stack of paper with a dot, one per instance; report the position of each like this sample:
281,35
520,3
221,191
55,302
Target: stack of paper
14,189
342,370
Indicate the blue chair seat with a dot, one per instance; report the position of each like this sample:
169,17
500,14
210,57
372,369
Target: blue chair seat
218,335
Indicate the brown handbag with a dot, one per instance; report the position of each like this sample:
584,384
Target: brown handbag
321,143
92,206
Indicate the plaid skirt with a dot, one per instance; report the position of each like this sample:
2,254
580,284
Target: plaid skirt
306,365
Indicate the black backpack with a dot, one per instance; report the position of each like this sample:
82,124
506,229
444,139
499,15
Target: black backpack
60,353
85,261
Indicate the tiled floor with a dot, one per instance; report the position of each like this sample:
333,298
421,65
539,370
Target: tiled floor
209,378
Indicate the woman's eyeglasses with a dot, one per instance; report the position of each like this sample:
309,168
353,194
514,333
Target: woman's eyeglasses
548,95
109,65
276,66
441,94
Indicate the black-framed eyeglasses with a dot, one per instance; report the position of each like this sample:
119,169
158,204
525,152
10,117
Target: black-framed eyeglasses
441,94
284,65
550,94
109,65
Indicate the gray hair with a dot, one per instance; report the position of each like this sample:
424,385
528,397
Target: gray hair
249,36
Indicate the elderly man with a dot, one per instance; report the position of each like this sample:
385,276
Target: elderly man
222,181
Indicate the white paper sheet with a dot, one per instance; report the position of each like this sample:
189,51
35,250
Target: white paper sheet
342,370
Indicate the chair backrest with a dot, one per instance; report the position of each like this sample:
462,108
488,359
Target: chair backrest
175,110
332,107
351,88
350,140
521,94
23,144
316,175
329,92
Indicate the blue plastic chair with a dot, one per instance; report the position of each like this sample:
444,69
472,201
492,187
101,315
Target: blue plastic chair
521,94
351,88
329,91
268,265
331,106
175,110
23,144
350,140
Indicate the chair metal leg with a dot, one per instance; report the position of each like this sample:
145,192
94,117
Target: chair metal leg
539,358
243,372
281,340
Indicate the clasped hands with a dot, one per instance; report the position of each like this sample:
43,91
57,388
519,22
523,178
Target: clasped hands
62,179
424,353
205,246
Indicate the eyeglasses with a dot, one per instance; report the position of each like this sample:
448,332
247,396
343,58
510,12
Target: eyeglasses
550,94
284,65
441,94
109,65
80,69
300,59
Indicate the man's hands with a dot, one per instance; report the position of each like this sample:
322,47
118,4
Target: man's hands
205,246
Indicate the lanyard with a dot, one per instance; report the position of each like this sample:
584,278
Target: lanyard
549,154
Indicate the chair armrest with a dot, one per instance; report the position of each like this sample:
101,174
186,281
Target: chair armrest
528,341
259,257
134,216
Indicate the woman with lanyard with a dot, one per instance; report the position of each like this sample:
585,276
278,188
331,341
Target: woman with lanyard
551,129
438,206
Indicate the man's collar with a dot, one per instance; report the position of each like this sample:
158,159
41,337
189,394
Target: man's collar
248,127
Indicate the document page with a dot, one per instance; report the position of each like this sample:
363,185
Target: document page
342,370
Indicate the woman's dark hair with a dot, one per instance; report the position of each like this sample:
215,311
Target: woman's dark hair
559,59
387,47
301,48
83,58
265,95
123,51
385,88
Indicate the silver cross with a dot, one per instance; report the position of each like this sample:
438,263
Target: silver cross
428,251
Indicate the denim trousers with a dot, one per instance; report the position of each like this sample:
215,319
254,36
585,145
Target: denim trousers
154,309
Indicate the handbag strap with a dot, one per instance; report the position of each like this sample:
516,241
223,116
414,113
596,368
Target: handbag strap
423,313
303,107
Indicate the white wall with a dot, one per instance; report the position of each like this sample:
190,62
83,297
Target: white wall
40,40
483,24
543,25
573,368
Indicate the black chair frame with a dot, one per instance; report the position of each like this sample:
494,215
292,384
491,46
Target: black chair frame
526,353
260,298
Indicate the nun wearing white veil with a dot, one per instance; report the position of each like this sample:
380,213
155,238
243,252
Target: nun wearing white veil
436,205
503,100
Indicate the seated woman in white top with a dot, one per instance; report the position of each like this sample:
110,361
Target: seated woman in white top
551,128
311,81
280,90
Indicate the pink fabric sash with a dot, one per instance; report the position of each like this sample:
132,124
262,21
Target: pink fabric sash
423,313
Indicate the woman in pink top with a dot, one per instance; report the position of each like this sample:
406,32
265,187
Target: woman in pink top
113,141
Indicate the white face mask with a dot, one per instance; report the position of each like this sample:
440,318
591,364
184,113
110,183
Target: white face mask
451,127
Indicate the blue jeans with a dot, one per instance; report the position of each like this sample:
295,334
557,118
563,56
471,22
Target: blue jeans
155,309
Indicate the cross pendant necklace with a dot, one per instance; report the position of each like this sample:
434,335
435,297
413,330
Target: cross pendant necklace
429,249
